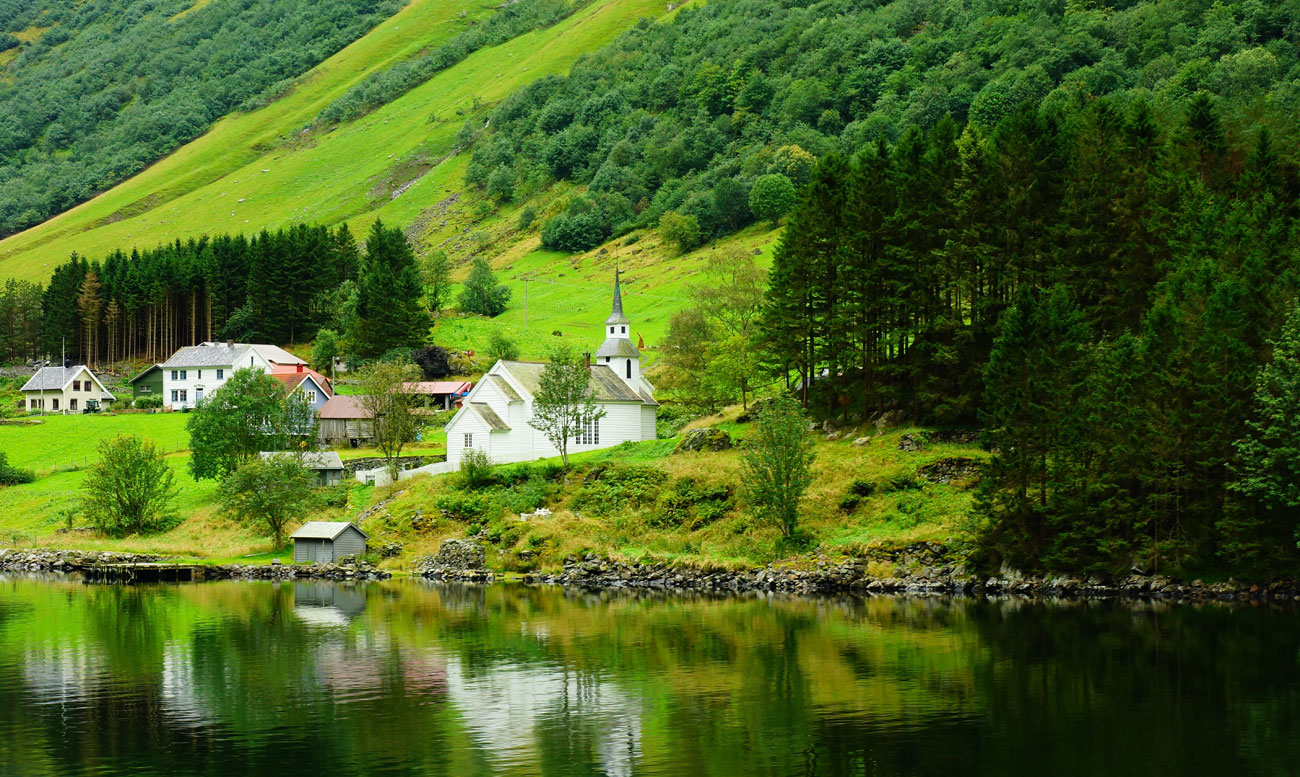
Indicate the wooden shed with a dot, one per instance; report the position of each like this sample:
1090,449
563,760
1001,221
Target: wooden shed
327,541
344,420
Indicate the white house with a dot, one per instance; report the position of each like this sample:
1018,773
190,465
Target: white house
495,416
198,370
64,390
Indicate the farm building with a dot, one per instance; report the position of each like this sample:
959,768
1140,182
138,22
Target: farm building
148,383
325,465
327,541
65,390
344,420
439,394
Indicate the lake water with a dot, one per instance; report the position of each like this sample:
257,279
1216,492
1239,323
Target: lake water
396,678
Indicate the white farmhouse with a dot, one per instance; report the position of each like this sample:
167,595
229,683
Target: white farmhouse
495,416
65,390
198,370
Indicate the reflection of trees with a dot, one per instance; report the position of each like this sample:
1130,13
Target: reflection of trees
259,678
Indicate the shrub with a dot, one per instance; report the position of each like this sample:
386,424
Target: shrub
147,403
129,490
527,216
684,231
771,197
12,476
861,487
476,469
777,465
464,505
482,293
692,504
608,488
502,346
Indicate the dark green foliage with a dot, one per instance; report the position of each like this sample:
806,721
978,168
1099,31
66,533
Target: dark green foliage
771,197
434,362
466,505
249,413
776,465
691,504
610,488
147,403
267,494
476,470
115,85
389,312
11,475
482,293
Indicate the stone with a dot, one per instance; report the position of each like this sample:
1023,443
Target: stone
910,442
891,419
832,436
861,442
708,439
949,469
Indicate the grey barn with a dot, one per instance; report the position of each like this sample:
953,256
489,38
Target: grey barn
327,541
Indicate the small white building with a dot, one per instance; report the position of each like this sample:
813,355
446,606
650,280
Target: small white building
495,416
65,390
196,371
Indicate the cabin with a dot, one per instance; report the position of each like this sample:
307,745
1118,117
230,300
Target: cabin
65,390
326,466
344,420
148,383
326,542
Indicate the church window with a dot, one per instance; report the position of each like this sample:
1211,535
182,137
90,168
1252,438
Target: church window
469,440
629,368
623,329
589,434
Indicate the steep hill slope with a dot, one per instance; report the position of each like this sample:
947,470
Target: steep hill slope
259,169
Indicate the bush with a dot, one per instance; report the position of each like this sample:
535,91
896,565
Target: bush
862,488
608,488
527,216
129,490
672,417
13,476
772,197
476,469
502,346
147,403
464,505
684,231
692,504
482,293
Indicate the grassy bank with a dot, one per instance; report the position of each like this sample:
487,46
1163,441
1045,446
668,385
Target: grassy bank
634,501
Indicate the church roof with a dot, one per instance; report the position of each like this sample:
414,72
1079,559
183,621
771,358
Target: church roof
618,346
489,417
617,317
605,385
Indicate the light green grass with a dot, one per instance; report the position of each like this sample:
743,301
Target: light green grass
64,441
344,174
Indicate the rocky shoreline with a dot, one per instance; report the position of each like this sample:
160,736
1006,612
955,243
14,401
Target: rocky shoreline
923,568
71,561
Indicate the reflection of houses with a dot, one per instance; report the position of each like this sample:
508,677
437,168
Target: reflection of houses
344,420
439,394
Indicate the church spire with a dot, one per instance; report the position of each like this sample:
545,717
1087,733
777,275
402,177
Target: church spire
617,317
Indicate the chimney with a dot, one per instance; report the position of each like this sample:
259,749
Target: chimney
299,366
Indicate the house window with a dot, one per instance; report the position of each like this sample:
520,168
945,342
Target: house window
182,374
183,393
76,385
469,440
72,404
174,374
221,374
589,434
55,406
176,395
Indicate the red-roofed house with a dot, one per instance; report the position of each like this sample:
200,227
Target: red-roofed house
300,377
440,394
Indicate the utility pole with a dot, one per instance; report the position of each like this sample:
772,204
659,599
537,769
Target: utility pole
525,304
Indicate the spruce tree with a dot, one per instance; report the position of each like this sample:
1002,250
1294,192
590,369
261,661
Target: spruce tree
389,312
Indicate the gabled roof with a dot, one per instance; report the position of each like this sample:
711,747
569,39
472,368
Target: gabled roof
58,378
324,530
207,355
605,385
292,375
310,459
344,406
145,372
438,387
215,354
489,416
505,388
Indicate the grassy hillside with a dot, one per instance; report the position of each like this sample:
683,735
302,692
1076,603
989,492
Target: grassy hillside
259,170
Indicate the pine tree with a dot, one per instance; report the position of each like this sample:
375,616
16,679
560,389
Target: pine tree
389,312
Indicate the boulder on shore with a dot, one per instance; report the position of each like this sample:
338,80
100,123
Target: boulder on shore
710,439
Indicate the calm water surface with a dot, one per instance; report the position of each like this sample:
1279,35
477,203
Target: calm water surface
411,678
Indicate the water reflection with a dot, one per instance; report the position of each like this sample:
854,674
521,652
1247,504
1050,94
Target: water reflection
412,678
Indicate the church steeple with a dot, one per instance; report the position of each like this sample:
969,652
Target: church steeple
616,317
618,352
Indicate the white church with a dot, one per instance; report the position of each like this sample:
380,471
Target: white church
495,416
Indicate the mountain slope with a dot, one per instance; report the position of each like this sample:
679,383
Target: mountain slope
260,170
